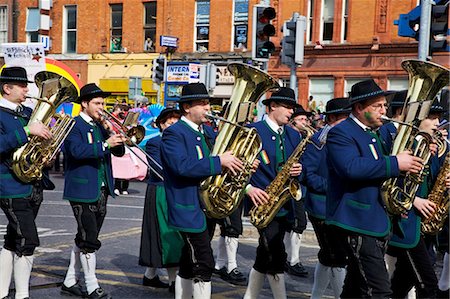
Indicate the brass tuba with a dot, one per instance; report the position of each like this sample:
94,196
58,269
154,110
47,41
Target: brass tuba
29,160
426,79
222,194
282,188
440,196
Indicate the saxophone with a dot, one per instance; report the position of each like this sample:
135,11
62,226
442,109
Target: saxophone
282,188
29,160
440,196
221,194
426,79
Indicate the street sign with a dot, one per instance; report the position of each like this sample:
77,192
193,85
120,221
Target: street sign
168,41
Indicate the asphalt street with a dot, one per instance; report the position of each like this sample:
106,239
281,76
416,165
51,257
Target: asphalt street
117,260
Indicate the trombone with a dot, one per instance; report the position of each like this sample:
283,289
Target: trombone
133,137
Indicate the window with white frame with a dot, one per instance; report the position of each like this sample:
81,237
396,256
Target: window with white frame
202,26
3,24
310,18
344,20
398,83
240,20
116,27
327,20
321,90
149,26
32,27
349,82
70,29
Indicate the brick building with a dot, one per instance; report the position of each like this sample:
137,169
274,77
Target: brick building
104,41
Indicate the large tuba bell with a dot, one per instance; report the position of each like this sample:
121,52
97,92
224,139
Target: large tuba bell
222,193
426,79
29,160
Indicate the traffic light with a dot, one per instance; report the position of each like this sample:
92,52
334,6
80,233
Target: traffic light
293,42
262,47
408,24
439,29
158,69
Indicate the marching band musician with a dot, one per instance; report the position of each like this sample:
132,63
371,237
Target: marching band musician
332,258
18,200
278,142
388,131
88,182
413,264
293,235
186,161
358,164
160,244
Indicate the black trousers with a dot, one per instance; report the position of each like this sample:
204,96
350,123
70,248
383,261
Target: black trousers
413,268
21,232
367,276
230,226
89,217
332,251
271,255
300,222
197,261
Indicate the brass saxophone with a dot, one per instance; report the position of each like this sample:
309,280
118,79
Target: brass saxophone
29,160
426,79
440,196
282,188
222,194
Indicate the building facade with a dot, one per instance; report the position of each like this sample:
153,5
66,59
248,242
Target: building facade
109,41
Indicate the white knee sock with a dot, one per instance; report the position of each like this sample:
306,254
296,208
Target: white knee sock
337,280
321,280
296,239
202,290
150,272
255,284
172,273
390,262
89,263
22,272
6,270
231,246
73,272
221,257
183,288
444,279
287,245
277,285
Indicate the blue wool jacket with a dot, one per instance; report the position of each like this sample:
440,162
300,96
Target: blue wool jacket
272,158
186,161
357,168
87,162
12,137
314,161
153,149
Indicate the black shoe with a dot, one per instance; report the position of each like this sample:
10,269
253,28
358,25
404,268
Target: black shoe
6,297
235,277
98,293
172,288
74,290
442,294
296,270
154,282
220,272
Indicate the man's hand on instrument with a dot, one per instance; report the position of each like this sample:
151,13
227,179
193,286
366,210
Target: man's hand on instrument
115,140
39,129
433,148
258,196
296,169
255,165
229,161
408,162
424,206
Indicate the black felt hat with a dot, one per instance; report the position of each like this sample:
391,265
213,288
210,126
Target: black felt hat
337,106
365,90
283,95
300,111
438,107
14,74
163,115
90,91
193,91
398,98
